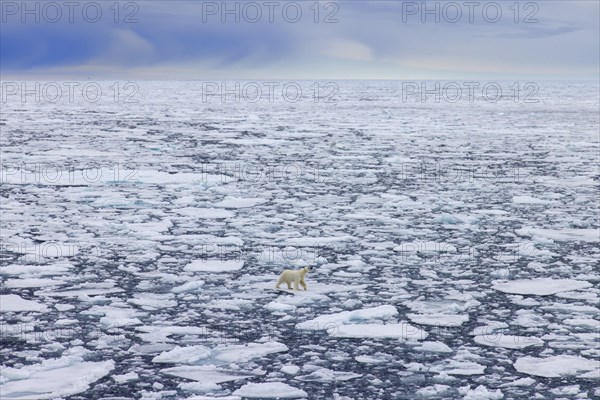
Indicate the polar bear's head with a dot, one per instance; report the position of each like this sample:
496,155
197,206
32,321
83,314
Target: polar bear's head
305,270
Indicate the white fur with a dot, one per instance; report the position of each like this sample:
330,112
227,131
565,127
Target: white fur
296,276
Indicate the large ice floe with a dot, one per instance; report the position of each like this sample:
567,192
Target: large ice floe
559,366
270,390
13,302
221,354
53,378
355,324
540,287
348,317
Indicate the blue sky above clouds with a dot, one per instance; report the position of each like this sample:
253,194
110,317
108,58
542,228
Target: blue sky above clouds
370,40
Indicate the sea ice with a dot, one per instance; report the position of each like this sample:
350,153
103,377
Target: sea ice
438,319
454,367
508,341
184,355
220,354
328,375
557,366
32,282
239,202
403,331
52,378
561,235
15,303
128,377
191,286
214,266
57,268
347,317
207,373
270,390
540,287
481,393
433,347
290,369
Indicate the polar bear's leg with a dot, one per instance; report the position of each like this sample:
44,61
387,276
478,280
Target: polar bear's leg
296,284
289,285
279,282
303,284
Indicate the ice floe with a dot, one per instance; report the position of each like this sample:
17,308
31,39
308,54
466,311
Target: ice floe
238,202
320,374
559,366
214,266
402,331
540,286
433,347
220,354
508,341
207,373
562,234
53,378
15,303
481,393
454,367
270,390
438,319
347,317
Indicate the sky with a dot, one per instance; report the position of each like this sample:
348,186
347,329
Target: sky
153,39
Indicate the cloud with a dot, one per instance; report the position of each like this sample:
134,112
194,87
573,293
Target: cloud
126,48
347,50
176,42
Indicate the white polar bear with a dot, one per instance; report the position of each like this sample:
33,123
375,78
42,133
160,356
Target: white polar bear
297,276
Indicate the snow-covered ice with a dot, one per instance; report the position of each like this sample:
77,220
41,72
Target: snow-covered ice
348,317
270,390
207,374
557,366
438,319
214,266
540,287
402,331
220,354
53,378
434,347
508,341
13,302
562,234
481,393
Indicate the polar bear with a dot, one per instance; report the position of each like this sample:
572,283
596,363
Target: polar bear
297,276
